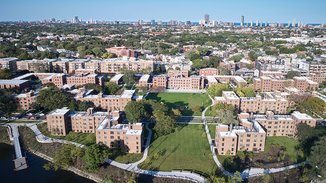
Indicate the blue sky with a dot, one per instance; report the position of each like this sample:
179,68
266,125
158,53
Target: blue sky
306,11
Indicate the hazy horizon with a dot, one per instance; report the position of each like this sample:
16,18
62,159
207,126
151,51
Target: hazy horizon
127,10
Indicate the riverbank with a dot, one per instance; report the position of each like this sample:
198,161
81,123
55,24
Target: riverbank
106,171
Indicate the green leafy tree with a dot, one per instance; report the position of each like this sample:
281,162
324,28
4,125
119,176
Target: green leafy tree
135,111
317,156
52,98
95,155
129,79
164,124
84,105
8,104
216,89
245,92
5,74
111,88
292,74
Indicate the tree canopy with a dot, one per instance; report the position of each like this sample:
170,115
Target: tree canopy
216,89
5,74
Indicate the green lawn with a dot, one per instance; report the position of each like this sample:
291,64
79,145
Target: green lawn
129,158
190,104
212,130
82,138
289,143
187,148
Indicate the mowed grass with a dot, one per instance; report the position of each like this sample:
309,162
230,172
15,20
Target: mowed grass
190,104
290,145
129,158
185,149
82,138
212,130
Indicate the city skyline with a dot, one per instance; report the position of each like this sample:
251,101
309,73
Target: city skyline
276,11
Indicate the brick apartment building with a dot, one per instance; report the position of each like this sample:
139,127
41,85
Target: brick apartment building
208,72
271,83
117,65
178,79
59,80
230,139
126,136
106,127
279,125
9,63
14,83
254,129
25,100
107,102
268,101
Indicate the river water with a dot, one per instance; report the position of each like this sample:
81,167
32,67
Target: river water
35,172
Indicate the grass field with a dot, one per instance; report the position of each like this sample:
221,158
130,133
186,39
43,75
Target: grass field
289,143
187,148
212,130
82,138
190,104
128,158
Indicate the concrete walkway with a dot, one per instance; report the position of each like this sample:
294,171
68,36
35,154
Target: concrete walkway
252,172
133,167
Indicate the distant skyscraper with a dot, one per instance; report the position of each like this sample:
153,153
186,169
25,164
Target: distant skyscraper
153,22
242,20
75,20
206,19
293,23
257,23
251,23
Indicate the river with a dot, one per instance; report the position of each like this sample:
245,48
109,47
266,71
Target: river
35,172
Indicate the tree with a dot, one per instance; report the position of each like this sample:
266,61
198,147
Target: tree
267,178
128,79
292,74
109,55
135,111
84,105
164,124
252,56
237,177
111,88
245,92
52,98
8,103
5,74
66,156
317,156
97,51
216,89
95,155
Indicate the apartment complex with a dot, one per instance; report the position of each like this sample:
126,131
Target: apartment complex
106,127
268,101
178,79
14,83
107,102
8,63
276,83
279,125
69,66
125,136
60,80
304,84
208,72
25,100
254,129
59,122
144,80
248,137
117,65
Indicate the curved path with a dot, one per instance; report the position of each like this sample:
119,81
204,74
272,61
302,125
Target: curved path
133,167
247,172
